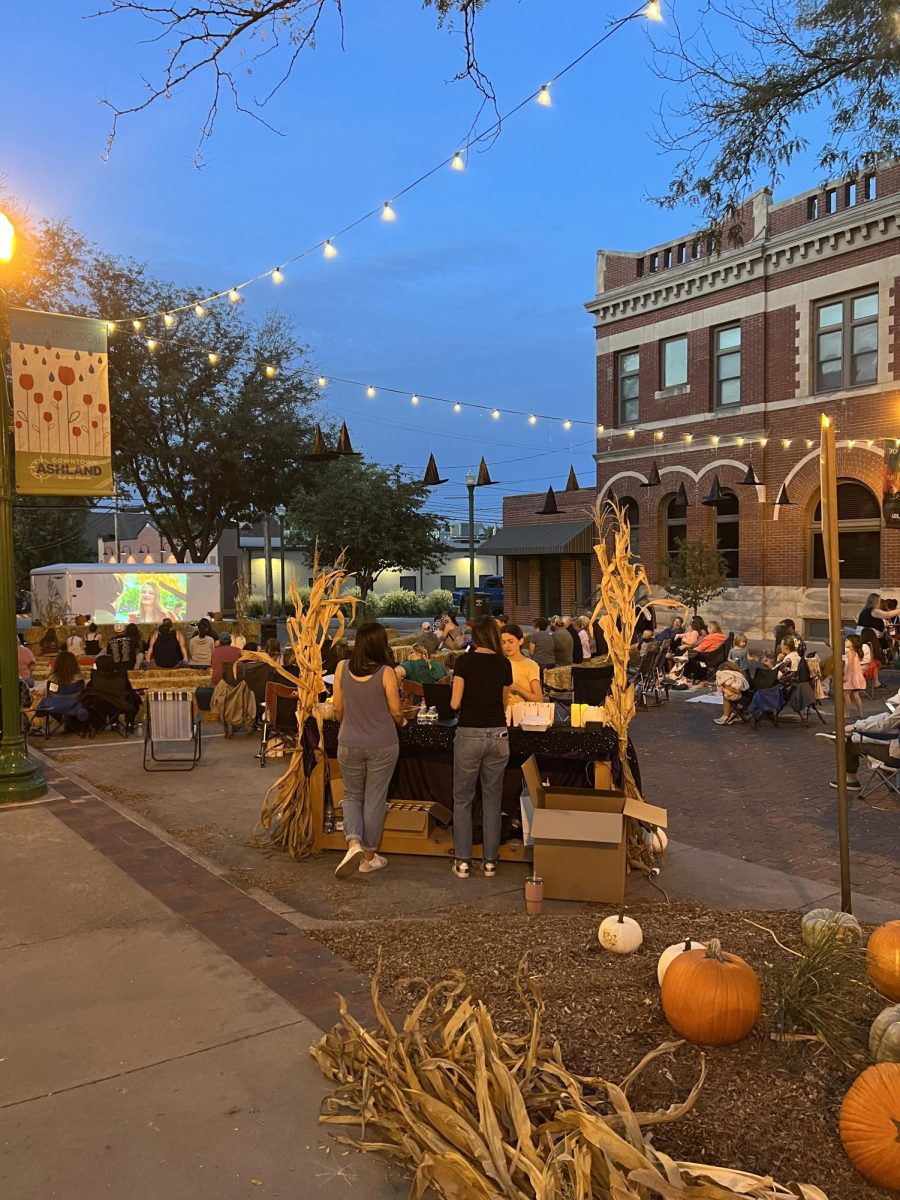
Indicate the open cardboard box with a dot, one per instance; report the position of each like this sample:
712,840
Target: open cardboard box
402,816
580,834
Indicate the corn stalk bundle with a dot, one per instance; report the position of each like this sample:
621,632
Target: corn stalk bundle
622,579
286,820
477,1115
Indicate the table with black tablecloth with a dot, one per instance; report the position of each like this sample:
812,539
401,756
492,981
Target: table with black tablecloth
565,756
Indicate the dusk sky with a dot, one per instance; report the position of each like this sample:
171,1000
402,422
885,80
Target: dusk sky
475,292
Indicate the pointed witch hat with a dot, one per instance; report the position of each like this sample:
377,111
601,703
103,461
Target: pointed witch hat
681,496
715,494
783,498
750,479
319,452
344,445
431,478
550,506
572,484
653,479
484,475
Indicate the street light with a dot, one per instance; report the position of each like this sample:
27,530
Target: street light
471,484
19,778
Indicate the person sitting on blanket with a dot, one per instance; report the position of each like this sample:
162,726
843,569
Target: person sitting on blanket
876,737
731,682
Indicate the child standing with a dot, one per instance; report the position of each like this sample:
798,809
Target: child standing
854,680
739,653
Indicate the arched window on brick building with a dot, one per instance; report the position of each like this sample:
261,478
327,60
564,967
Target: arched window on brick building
633,514
674,522
859,535
728,531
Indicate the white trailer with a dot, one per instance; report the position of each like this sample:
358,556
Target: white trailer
111,592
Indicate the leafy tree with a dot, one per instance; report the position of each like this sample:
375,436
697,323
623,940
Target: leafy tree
203,441
48,529
695,573
370,512
740,122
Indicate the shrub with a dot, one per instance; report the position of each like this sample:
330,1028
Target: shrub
400,603
437,602
255,607
372,610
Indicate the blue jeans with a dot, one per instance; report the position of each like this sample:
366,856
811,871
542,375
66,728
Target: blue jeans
478,753
367,778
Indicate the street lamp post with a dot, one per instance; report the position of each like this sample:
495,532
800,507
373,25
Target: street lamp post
19,778
267,543
281,512
471,484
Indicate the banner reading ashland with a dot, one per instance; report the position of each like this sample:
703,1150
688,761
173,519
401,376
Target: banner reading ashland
60,404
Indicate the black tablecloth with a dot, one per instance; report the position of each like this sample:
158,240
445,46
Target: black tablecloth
425,767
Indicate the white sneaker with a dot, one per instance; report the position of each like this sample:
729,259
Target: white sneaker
349,864
723,720
375,863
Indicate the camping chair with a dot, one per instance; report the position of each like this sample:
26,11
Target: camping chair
61,704
411,693
649,679
801,695
104,714
764,678
172,719
279,718
715,658
881,775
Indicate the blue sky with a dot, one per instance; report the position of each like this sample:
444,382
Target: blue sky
475,292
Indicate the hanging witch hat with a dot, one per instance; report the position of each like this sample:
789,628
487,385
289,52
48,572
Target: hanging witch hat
653,479
750,479
431,478
343,443
572,484
484,475
783,498
715,494
550,507
319,452
681,496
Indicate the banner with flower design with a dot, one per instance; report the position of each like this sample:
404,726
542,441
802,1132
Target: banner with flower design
60,404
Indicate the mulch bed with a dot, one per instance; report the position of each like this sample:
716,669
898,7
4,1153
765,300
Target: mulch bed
766,1107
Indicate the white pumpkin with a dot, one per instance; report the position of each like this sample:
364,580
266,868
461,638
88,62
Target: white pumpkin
820,922
620,934
670,953
884,1036
656,839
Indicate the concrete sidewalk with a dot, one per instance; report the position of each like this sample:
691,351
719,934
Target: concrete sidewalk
137,1058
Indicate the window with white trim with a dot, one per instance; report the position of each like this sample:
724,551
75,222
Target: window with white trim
674,362
846,342
727,365
859,536
629,386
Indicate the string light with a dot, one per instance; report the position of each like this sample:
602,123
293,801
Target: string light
277,276
414,399
234,295
322,381
532,420
763,441
457,164
600,428
567,424
688,437
138,325
715,439
653,12
168,320
387,213
870,442
199,310
543,96
809,443
328,250
631,433
370,391
496,414
152,343
213,358
110,327
739,441
271,371
851,443
786,442
658,435
457,407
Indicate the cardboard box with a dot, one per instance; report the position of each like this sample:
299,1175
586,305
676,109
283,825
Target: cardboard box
579,838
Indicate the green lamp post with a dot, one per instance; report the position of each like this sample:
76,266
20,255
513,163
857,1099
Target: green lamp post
19,777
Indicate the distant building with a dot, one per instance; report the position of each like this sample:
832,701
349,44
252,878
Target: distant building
710,361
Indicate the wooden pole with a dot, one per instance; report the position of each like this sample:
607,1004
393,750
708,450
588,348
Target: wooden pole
828,487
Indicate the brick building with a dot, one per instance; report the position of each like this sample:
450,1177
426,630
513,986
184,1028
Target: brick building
710,362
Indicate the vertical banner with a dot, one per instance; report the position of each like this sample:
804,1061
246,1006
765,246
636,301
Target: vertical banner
60,399
891,491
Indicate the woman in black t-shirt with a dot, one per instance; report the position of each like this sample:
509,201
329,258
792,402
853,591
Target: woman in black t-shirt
481,683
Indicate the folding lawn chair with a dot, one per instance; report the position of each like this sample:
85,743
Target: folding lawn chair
279,718
649,679
172,720
881,775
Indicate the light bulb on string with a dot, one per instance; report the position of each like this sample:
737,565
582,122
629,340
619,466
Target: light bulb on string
414,399
688,437
110,327
328,250
658,436
277,276
457,164
152,343
532,420
631,433
370,391
715,439
234,295
543,96
271,371
653,11
870,443
785,443
496,414
739,441
457,407
213,358
763,441
199,310
851,443
600,428
322,381
137,326
387,213
567,424
809,443
168,320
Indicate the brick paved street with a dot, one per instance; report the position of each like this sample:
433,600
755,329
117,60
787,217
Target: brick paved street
763,795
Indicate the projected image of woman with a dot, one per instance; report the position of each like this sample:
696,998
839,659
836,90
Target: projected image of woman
150,613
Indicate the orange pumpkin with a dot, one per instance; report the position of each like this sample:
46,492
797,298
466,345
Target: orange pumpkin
870,1125
710,997
883,959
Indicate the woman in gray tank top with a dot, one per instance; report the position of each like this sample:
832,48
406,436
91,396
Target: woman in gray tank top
367,704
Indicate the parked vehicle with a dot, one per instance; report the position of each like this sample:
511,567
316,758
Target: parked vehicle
488,596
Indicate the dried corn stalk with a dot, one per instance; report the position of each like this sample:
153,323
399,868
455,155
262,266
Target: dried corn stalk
622,578
477,1115
286,820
